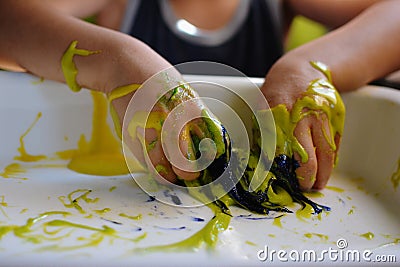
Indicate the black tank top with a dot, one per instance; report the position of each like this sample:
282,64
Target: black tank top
254,46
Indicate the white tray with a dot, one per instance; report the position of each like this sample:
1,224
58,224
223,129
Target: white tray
362,197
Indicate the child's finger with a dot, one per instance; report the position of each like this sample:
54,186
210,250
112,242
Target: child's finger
324,152
186,147
307,171
157,157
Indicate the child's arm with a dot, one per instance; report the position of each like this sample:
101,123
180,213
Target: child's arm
35,37
362,50
78,8
332,13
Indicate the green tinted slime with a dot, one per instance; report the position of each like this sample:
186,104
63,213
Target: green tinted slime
136,218
74,202
368,235
208,235
320,98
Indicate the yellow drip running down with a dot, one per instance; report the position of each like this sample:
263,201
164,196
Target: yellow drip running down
102,154
68,66
24,155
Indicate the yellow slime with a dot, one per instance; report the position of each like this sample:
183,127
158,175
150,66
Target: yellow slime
24,155
68,66
368,235
13,170
102,154
321,98
208,235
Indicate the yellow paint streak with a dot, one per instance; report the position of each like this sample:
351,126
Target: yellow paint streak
136,218
24,155
73,202
13,170
334,188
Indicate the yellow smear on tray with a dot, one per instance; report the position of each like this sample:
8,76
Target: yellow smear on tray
277,221
66,154
53,231
396,176
368,235
102,211
3,203
305,213
322,237
208,235
24,155
135,218
13,170
334,188
73,202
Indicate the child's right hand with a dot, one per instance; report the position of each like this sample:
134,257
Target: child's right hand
166,130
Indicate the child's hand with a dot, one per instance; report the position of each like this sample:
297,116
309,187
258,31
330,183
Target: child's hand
169,131
309,118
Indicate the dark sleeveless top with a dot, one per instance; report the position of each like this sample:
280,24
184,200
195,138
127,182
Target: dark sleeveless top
252,48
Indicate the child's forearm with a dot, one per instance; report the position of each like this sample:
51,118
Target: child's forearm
365,49
35,39
332,13
362,50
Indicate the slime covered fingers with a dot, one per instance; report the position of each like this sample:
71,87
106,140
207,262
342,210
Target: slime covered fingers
280,186
169,129
320,105
320,100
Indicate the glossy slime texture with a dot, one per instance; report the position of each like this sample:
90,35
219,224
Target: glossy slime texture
50,229
102,155
68,66
321,98
192,133
280,185
208,235
117,93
